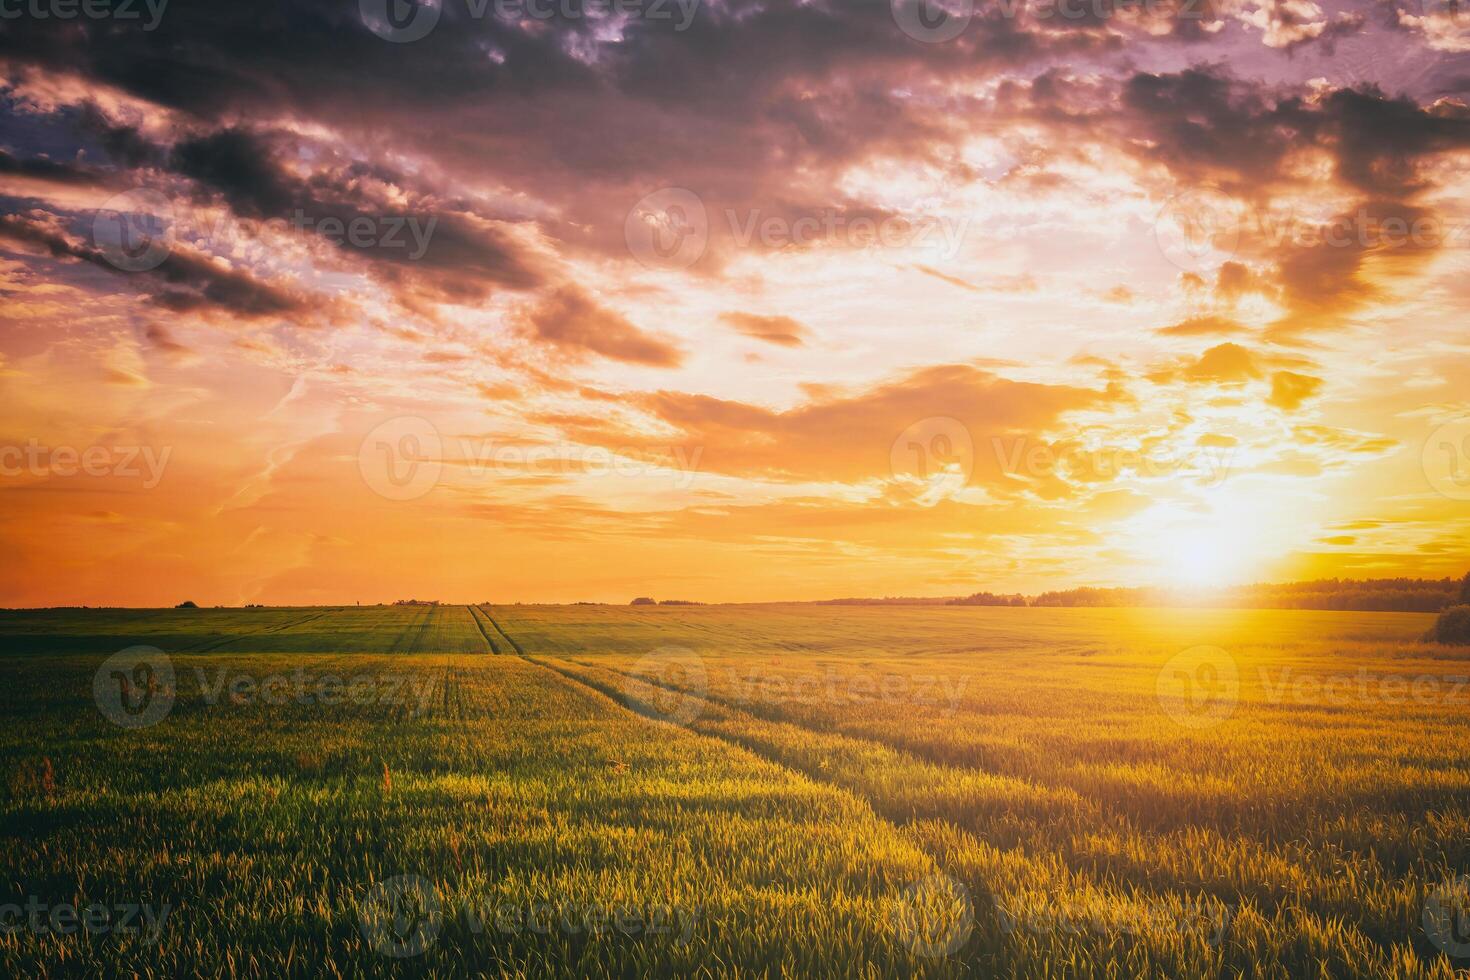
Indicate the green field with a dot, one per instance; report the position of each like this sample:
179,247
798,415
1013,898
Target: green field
732,790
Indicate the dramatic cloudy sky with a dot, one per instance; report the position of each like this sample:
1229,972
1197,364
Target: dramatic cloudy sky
311,300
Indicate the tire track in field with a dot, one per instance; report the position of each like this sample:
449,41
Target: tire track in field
984,924
621,697
893,814
501,630
992,930
280,628
399,642
475,615
735,711
736,708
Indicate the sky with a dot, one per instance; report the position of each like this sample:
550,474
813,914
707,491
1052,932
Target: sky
534,300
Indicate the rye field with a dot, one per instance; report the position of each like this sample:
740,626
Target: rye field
782,790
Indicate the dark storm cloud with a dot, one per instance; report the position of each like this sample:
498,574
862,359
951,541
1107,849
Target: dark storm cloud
460,256
1255,142
184,279
40,168
1205,126
734,103
757,107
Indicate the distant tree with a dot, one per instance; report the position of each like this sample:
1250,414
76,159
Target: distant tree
1453,626
643,600
989,599
1465,590
187,604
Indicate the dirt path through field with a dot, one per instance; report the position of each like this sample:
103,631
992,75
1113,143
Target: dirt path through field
476,614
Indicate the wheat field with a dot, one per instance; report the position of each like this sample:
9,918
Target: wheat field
732,790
